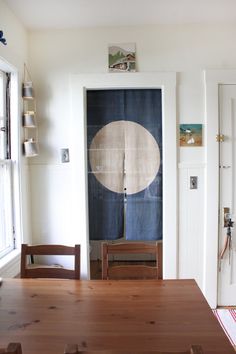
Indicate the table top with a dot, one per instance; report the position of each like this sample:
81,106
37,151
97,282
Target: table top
140,315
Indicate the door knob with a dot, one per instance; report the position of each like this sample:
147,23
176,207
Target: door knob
226,216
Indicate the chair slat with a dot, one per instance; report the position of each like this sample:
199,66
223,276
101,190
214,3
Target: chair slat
132,272
48,250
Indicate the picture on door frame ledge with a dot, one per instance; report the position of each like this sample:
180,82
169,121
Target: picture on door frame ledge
122,57
190,135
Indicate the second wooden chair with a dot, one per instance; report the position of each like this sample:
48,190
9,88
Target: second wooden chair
131,271
45,271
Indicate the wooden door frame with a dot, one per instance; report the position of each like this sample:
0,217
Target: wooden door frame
212,78
166,81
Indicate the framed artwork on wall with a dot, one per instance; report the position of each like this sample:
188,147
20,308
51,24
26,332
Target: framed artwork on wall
190,135
122,57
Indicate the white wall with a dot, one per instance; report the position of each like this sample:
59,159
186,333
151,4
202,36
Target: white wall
14,55
16,50
54,55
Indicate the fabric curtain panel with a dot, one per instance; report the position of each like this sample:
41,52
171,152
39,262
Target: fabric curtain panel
124,136
144,208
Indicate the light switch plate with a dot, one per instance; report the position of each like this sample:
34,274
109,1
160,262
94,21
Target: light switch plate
65,157
193,182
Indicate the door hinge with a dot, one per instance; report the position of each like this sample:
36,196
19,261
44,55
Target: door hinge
220,138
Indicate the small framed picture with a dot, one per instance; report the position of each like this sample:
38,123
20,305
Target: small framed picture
190,135
122,57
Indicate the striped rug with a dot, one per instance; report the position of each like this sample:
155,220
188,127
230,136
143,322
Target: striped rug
227,319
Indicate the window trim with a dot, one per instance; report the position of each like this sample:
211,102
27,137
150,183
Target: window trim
15,154
8,115
7,163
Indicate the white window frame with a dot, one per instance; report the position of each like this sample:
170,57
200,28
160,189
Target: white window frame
14,165
8,223
3,99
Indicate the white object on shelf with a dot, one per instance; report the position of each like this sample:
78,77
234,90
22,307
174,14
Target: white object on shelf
29,119
27,90
31,148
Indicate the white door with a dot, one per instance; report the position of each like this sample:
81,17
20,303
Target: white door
227,170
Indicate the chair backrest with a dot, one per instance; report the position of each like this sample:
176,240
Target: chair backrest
12,348
131,271
73,349
50,271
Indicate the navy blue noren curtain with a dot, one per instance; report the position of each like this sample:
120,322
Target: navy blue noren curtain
110,213
106,208
144,209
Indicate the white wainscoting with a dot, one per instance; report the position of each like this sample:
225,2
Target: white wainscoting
191,222
51,207
10,265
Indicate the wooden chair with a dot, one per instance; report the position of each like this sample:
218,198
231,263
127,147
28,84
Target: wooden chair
45,271
73,349
131,271
12,348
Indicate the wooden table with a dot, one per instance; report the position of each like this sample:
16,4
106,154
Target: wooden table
167,315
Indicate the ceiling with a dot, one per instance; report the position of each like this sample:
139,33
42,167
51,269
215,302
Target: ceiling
61,14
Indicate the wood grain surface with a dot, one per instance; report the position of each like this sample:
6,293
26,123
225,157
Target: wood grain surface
143,315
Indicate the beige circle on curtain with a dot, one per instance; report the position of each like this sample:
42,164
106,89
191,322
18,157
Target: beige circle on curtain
124,156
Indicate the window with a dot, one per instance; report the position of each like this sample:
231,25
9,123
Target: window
6,166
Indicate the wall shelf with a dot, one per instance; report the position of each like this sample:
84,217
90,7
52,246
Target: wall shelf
29,120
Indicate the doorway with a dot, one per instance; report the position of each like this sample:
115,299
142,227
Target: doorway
213,80
124,142
80,84
227,197
124,148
